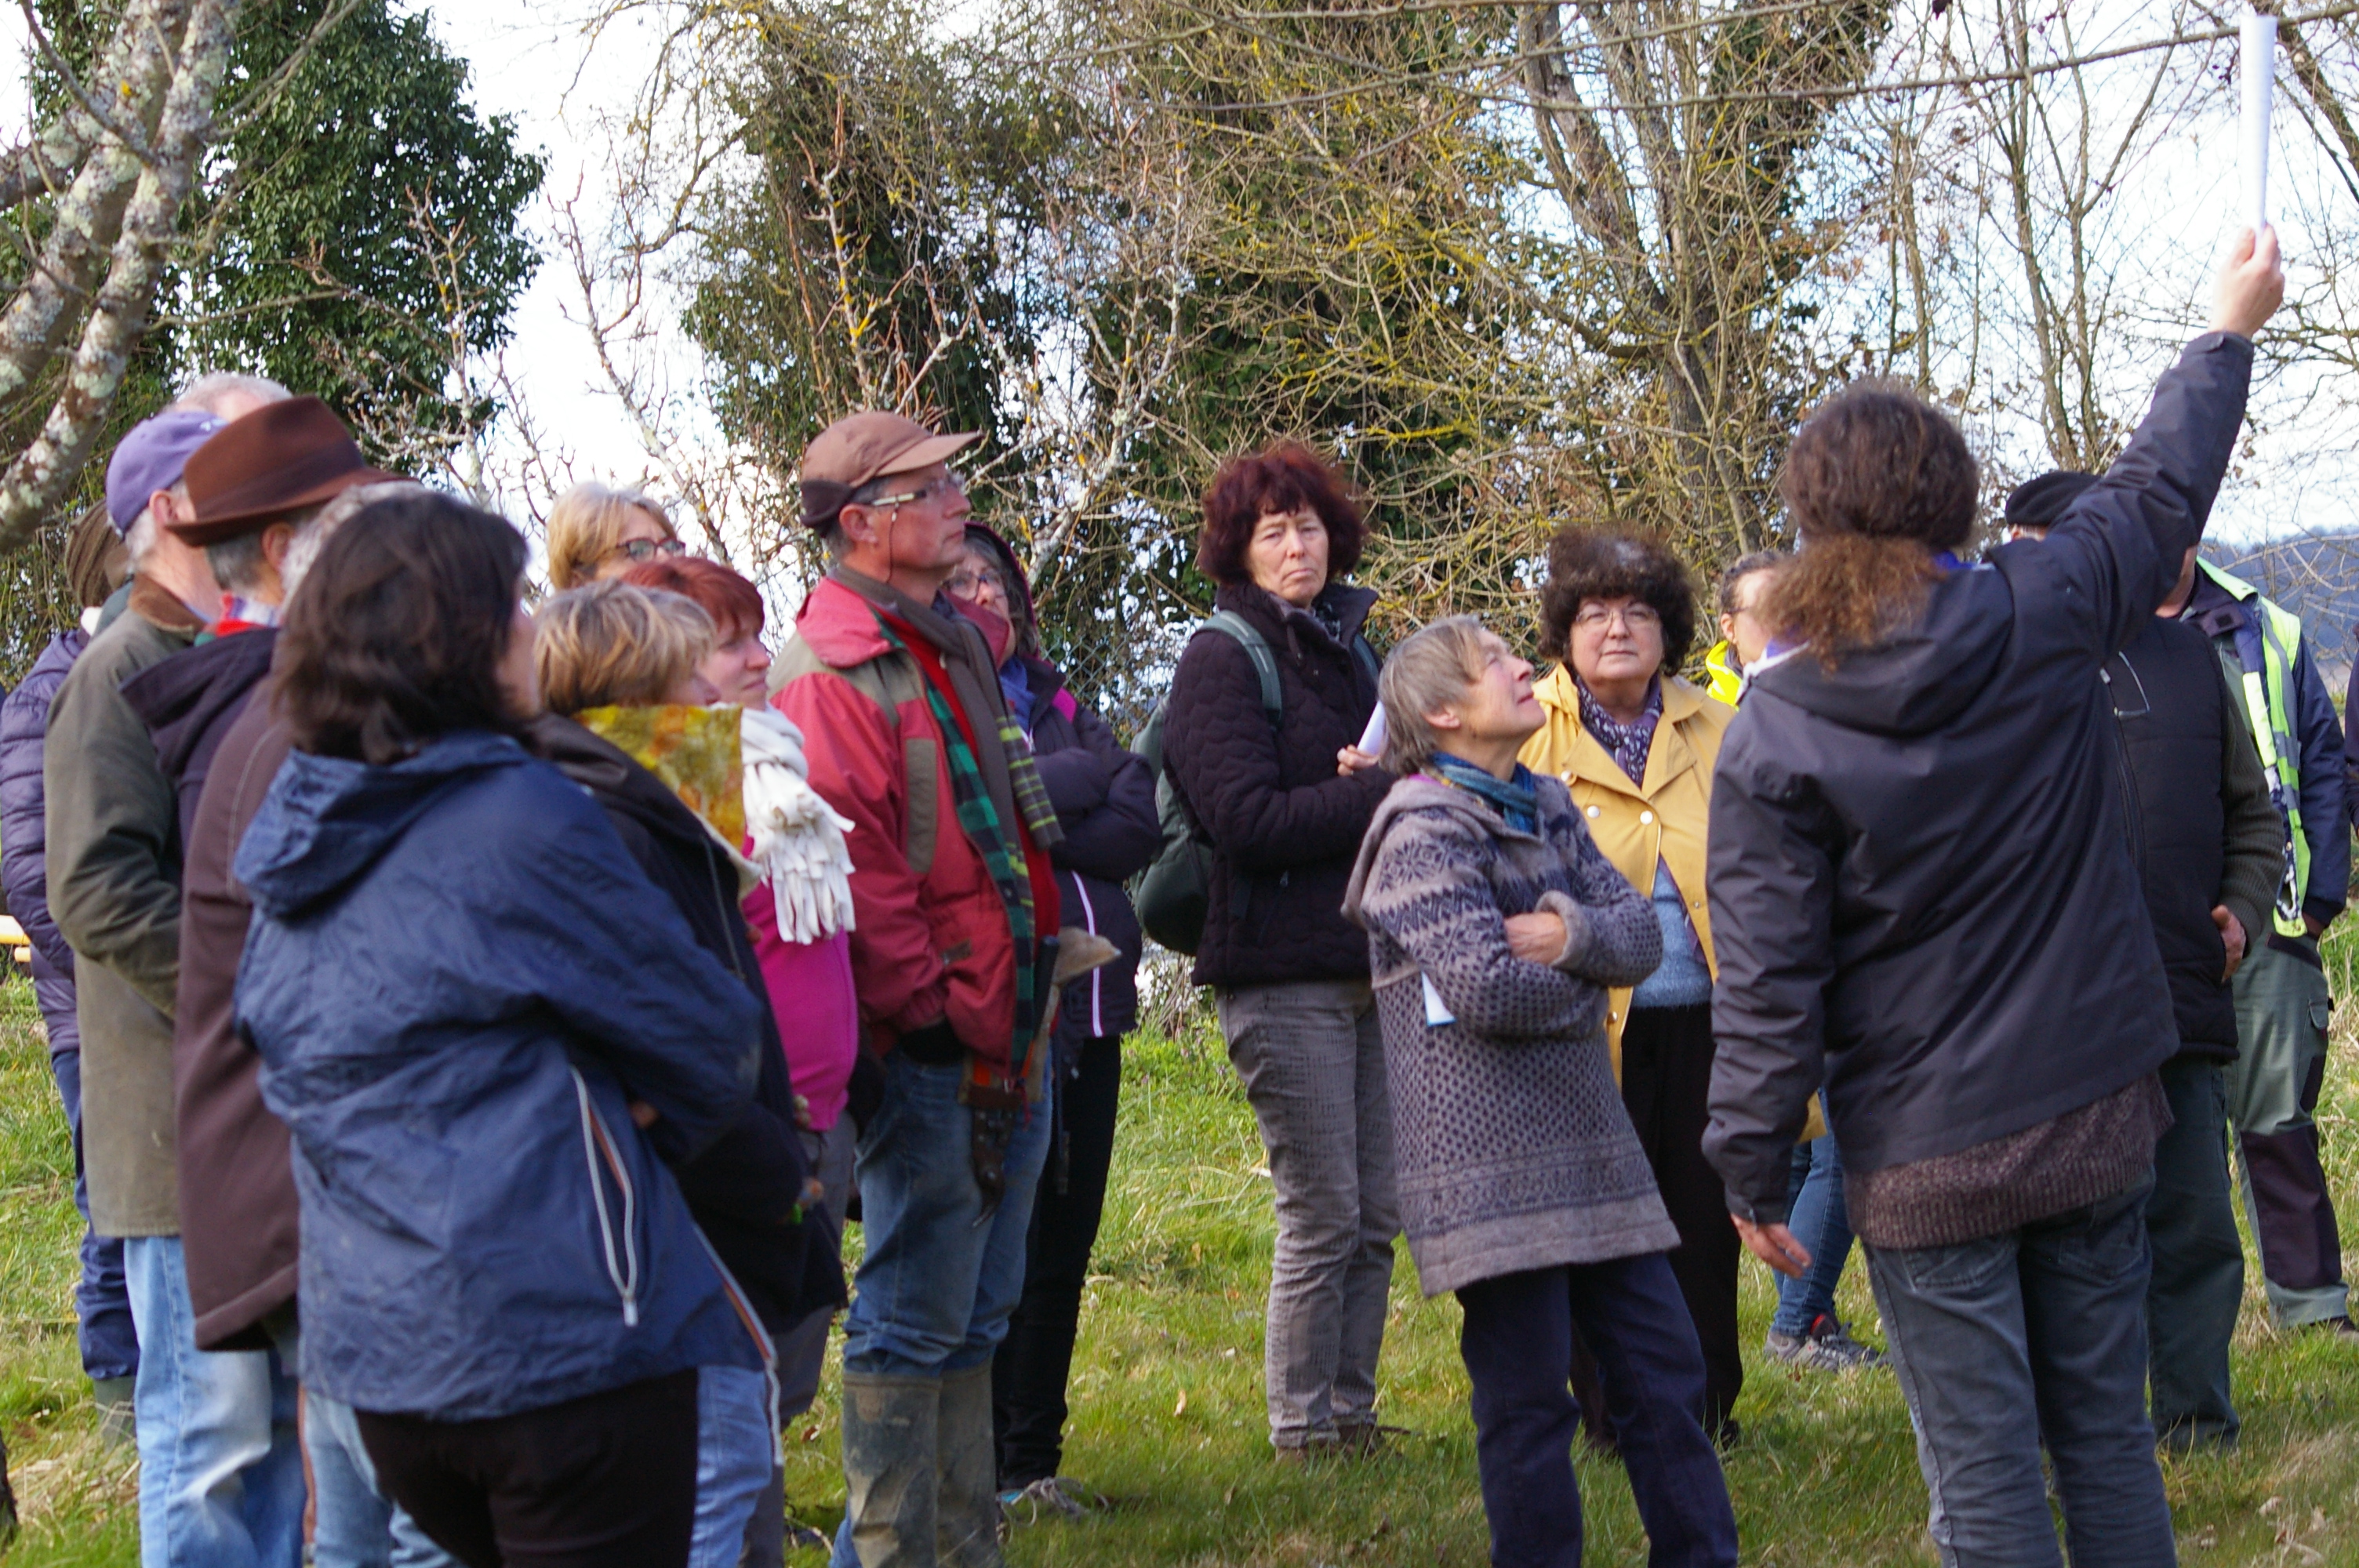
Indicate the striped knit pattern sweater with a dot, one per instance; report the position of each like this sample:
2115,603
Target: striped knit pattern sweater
1512,1149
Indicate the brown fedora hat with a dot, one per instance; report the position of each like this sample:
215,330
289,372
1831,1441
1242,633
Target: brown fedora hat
256,470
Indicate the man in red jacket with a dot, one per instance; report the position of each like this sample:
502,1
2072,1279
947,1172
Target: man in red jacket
896,689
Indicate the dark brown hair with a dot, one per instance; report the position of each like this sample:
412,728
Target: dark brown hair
1876,481
1284,477
734,604
1588,562
1744,567
396,635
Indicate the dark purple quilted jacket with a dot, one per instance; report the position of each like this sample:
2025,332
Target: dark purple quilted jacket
24,861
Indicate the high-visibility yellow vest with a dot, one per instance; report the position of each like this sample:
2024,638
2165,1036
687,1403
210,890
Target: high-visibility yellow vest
2268,703
1726,681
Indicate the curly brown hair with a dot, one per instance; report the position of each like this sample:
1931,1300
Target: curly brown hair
1285,476
1876,481
1589,563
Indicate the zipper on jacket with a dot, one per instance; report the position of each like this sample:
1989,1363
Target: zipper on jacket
596,1144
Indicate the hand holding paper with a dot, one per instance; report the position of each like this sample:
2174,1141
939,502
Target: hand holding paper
2257,63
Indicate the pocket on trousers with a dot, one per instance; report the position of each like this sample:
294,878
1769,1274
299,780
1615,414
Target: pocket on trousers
1947,1270
2108,1245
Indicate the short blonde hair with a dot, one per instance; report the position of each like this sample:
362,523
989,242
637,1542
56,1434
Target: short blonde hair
609,644
1431,668
586,525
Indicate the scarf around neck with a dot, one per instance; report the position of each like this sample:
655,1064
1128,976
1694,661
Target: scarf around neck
1627,744
1517,799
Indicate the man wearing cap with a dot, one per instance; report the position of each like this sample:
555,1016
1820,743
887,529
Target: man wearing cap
220,1479
906,733
2208,855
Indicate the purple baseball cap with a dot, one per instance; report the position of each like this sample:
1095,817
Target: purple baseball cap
150,459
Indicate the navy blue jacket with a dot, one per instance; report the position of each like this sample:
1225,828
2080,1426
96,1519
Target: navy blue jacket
2325,790
24,836
1923,895
453,972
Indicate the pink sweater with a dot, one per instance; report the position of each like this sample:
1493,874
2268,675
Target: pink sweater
819,1016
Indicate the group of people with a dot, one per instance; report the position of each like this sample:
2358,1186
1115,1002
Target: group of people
478,1016
480,1012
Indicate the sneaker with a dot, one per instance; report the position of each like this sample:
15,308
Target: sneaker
1050,1497
1825,1346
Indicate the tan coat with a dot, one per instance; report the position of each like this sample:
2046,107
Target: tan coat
1665,819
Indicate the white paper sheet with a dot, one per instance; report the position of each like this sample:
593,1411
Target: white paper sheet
1436,1012
2257,61
1372,739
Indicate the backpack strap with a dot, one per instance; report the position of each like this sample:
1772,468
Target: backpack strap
1264,663
1368,660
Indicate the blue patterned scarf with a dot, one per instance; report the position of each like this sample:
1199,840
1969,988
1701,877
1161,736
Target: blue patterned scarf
1517,799
1627,744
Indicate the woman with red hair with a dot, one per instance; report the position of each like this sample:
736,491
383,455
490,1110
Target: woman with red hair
1283,800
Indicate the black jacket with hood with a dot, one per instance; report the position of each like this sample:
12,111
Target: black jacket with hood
1922,890
743,1188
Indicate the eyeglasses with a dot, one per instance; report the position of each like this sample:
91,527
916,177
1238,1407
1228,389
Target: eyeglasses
648,549
966,583
924,491
1594,618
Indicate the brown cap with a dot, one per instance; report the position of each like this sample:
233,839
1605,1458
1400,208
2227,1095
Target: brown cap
865,445
283,458
96,562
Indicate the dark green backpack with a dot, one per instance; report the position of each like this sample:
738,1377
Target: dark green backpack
1174,892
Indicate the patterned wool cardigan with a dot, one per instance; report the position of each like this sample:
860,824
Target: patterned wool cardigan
1512,1149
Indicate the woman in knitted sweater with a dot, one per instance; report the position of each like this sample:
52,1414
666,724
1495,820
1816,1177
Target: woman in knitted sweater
1496,927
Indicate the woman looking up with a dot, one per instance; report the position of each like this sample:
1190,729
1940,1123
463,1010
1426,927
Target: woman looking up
1495,927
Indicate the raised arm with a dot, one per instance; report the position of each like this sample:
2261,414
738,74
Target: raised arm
2120,543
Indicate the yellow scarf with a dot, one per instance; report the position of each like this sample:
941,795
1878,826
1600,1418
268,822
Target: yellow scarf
694,750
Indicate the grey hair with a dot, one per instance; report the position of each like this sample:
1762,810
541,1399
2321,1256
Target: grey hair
140,539
237,563
208,392
1432,668
314,535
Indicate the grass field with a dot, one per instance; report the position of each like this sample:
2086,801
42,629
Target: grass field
1167,1411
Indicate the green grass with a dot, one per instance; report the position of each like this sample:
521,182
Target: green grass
1167,1396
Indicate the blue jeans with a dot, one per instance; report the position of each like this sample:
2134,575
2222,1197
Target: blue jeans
942,1271
1517,1342
1819,1223
736,1447
2033,1333
221,1475
110,1344
355,1526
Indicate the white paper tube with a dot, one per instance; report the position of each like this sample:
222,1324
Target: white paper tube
1372,739
2257,58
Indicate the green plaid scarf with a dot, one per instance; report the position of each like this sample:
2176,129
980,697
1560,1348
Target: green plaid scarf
1001,853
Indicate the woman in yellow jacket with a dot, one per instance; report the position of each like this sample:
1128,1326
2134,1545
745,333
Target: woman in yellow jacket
1635,744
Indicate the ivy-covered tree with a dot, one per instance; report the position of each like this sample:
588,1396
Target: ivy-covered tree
314,198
